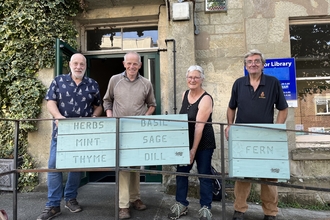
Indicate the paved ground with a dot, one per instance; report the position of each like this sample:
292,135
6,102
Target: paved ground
98,199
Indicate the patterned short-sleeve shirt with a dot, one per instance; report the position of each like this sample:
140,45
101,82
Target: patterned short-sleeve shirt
74,100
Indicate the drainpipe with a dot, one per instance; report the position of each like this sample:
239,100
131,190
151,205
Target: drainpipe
174,72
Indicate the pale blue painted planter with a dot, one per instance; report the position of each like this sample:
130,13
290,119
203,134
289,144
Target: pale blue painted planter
143,141
258,152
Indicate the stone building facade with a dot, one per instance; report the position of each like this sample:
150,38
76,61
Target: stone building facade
217,41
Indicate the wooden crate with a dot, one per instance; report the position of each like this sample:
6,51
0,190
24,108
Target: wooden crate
258,152
143,141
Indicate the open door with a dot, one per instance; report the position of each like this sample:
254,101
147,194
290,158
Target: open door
63,54
151,72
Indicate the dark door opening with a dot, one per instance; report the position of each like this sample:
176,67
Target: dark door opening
101,68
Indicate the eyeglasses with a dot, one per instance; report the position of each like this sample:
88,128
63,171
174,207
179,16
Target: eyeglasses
193,78
249,62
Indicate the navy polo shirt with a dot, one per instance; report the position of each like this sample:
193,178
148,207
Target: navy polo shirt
74,100
257,106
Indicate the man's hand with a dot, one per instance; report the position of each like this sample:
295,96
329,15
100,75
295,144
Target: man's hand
56,120
227,132
109,113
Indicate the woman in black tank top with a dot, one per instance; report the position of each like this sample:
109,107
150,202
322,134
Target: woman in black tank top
198,105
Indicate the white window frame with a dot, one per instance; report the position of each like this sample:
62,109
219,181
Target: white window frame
84,28
319,99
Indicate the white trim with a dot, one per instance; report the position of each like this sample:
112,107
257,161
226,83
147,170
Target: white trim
309,20
123,25
313,78
107,52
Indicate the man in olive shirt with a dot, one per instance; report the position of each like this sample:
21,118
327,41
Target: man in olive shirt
129,94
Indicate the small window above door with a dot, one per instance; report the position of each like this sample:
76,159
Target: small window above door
124,38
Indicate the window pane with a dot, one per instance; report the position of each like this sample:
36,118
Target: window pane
140,37
310,46
104,39
321,108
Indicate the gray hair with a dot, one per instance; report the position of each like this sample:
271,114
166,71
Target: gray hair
255,52
76,55
198,68
133,52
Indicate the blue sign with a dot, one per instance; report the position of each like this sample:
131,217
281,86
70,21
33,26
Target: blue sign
284,69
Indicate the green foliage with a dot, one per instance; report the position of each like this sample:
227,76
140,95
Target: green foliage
28,29
316,206
7,140
254,195
27,181
255,198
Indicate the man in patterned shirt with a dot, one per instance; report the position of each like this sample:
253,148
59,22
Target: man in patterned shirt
70,95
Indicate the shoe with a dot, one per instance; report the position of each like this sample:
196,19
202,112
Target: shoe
73,205
177,210
238,215
205,213
124,213
269,217
49,213
138,205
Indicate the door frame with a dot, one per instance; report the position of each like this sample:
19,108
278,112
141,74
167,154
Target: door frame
145,58
63,48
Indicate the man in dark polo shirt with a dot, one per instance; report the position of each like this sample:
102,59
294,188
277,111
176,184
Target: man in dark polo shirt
254,97
69,95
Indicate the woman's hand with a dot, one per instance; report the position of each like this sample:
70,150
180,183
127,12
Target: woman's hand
192,155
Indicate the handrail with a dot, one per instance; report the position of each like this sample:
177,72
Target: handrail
224,176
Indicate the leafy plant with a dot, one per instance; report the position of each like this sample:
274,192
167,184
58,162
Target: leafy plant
315,206
28,29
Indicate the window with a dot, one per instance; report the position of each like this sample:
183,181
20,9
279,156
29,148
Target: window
123,38
215,5
310,46
322,105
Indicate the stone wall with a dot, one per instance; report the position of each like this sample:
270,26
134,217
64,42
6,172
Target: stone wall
217,41
224,38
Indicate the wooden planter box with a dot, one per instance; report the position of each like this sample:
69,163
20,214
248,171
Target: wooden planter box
258,152
143,141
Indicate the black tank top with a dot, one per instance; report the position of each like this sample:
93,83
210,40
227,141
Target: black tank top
208,140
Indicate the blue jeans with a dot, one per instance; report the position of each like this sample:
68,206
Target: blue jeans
203,159
55,179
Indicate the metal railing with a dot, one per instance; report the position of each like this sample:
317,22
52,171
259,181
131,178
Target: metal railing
15,171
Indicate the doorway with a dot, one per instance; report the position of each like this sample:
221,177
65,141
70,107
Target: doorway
101,68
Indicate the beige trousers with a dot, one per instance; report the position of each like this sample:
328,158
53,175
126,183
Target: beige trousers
129,188
269,197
